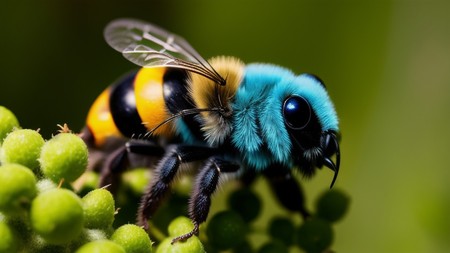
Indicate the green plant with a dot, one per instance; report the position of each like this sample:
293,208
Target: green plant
55,206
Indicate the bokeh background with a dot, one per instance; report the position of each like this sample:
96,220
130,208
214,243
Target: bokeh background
386,65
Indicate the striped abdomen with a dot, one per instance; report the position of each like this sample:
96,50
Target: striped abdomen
139,102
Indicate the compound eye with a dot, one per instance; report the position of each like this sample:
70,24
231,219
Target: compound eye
296,112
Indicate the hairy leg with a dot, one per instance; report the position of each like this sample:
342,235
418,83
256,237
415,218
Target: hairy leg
205,185
165,173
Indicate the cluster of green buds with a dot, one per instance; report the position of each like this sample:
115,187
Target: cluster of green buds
40,210
50,203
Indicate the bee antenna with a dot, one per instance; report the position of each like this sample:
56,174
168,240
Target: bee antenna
181,113
216,91
217,77
207,71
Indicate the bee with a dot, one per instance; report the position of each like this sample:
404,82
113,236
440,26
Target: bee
234,119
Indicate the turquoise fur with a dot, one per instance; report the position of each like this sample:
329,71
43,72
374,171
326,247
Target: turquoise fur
259,129
184,132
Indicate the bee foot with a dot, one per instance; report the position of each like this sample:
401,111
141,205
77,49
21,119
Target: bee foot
186,236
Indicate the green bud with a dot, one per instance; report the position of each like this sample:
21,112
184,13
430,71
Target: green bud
87,182
191,245
101,246
18,188
274,247
8,122
22,146
8,239
315,235
246,203
57,216
282,229
65,156
136,180
99,210
226,230
180,226
332,205
133,239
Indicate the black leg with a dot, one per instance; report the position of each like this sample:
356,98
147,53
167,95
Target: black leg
287,190
164,175
205,185
119,160
112,167
141,147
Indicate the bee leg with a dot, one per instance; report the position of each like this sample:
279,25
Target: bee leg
287,190
111,169
164,174
205,185
119,160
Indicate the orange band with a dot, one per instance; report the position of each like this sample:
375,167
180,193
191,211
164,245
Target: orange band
148,88
100,121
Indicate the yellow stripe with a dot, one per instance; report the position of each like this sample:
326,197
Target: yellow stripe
100,121
148,88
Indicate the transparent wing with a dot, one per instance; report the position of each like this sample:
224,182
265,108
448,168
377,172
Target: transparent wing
148,45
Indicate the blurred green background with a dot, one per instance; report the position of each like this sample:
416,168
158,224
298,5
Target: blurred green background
386,65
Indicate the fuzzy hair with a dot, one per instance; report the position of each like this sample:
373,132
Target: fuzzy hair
320,101
260,132
184,132
208,94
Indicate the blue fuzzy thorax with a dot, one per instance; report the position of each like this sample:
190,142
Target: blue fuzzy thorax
260,133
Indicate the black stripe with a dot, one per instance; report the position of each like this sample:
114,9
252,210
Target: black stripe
177,98
122,104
